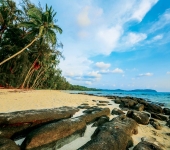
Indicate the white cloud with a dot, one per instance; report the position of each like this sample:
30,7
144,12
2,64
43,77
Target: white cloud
134,38
168,72
163,21
88,82
83,18
145,74
117,70
91,30
141,9
158,37
102,65
108,38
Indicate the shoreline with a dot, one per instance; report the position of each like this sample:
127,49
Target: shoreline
12,100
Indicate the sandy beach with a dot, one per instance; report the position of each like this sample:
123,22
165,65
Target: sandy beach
15,100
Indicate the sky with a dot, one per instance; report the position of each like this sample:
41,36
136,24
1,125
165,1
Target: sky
115,44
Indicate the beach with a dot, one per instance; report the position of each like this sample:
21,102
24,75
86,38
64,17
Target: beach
12,100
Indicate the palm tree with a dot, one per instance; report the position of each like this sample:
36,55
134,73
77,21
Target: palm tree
40,26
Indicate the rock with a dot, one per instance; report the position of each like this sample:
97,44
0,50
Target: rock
153,108
139,107
101,121
103,102
142,101
168,123
94,114
18,124
128,102
36,115
85,104
146,146
113,135
116,111
91,109
159,116
155,124
139,117
117,101
166,111
7,144
54,135
84,107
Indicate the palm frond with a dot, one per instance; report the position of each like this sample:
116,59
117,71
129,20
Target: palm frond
57,28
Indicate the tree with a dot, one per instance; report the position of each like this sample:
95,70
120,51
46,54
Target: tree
40,26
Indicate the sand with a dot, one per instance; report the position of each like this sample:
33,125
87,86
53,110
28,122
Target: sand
15,100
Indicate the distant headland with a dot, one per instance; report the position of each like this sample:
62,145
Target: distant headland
135,90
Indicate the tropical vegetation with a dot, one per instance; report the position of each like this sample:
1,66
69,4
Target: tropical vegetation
29,48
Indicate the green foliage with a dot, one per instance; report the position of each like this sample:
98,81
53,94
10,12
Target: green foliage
36,66
82,88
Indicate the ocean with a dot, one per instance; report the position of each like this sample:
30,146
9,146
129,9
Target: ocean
155,97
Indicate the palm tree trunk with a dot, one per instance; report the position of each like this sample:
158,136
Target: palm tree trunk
29,72
38,76
19,51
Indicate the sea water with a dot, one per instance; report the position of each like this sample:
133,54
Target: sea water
155,97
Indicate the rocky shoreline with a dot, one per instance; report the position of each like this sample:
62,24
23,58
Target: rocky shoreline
53,128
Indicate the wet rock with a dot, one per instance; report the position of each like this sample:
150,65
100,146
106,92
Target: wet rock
7,144
18,124
166,111
113,135
101,121
159,116
139,117
146,146
116,111
94,114
139,107
155,124
153,108
54,135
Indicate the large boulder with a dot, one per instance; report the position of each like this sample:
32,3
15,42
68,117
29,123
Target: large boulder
139,107
146,146
113,135
93,114
168,123
155,124
101,121
7,144
54,135
128,102
116,111
159,116
139,117
153,108
20,123
166,111
30,116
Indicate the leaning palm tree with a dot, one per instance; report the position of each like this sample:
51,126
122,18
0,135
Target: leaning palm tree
40,26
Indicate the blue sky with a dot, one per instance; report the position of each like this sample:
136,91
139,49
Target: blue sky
115,43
